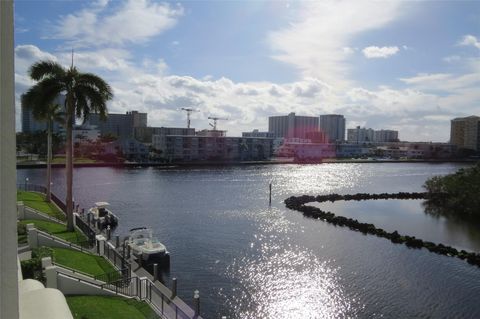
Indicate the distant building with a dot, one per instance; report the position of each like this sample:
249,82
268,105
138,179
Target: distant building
465,132
85,133
382,136
31,125
144,134
185,148
256,133
119,125
333,125
128,148
353,150
360,135
292,126
304,149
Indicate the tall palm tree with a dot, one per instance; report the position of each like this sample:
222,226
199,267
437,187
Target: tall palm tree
85,93
50,113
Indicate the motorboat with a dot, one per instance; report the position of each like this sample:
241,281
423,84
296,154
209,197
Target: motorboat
147,248
100,214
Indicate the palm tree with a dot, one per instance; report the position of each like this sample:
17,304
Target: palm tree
85,93
49,114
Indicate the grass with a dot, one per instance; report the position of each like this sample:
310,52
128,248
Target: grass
61,160
84,262
37,201
59,230
103,307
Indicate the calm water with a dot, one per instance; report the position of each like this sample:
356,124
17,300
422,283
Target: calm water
252,261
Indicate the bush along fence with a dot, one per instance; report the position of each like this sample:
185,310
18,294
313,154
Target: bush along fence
298,203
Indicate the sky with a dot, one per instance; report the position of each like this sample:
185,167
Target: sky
410,66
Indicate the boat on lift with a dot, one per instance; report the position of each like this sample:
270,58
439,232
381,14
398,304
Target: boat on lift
100,214
147,248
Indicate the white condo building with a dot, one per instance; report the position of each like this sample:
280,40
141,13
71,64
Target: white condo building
292,126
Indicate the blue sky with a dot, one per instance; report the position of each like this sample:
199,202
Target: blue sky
405,65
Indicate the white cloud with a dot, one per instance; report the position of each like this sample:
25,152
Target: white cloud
443,81
374,52
131,21
452,58
315,42
470,40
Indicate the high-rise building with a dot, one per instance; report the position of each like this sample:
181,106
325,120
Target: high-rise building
32,125
465,132
382,136
333,125
292,126
360,135
119,125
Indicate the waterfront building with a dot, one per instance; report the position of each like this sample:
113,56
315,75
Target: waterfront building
119,125
292,126
144,134
333,125
415,150
306,151
31,125
382,136
360,135
256,133
465,132
354,150
128,148
185,148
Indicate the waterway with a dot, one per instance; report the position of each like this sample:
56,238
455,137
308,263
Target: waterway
250,260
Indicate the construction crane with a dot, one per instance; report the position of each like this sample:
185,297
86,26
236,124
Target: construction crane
215,119
189,111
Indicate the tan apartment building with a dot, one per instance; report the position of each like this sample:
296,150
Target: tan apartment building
465,132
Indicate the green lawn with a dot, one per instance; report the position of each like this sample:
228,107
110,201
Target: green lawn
37,201
61,160
84,262
56,229
103,307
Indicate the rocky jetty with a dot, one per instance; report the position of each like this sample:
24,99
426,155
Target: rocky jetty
298,203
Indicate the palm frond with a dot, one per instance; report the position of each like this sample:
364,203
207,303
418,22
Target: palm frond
92,80
45,69
92,100
40,96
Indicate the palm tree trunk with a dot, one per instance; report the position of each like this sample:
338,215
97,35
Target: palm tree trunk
69,163
49,159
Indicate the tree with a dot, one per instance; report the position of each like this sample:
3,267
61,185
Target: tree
85,93
458,194
48,113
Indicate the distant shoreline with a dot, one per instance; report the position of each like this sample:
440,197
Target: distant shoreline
236,163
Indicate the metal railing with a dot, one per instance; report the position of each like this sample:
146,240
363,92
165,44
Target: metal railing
32,188
72,270
85,228
165,304
42,189
53,219
118,259
79,245
113,276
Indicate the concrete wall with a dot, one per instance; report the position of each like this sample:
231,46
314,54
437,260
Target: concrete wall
25,212
8,214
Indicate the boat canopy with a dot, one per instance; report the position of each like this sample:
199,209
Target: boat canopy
101,204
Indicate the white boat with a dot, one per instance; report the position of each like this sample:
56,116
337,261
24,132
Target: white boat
100,213
142,243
